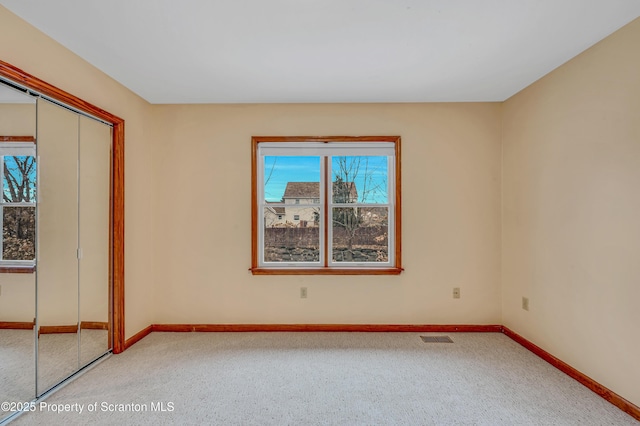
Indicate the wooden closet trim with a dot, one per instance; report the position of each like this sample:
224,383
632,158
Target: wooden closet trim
117,185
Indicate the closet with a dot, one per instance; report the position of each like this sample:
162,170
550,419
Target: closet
61,219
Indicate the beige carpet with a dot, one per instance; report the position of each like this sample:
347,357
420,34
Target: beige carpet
58,358
327,379
58,354
17,366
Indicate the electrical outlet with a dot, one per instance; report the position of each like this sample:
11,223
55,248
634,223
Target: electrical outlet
303,292
456,292
525,303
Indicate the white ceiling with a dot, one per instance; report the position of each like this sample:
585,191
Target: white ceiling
240,51
12,96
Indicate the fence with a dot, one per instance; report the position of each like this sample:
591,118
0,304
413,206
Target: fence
367,236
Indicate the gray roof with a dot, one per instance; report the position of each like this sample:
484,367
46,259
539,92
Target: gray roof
302,190
312,190
276,210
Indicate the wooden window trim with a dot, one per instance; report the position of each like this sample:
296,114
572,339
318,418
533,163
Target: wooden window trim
18,139
117,187
325,270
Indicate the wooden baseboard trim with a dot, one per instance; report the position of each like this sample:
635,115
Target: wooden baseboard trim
17,269
16,325
359,328
137,337
85,325
612,397
55,329
94,325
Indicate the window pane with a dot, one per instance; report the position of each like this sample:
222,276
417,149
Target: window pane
295,237
360,234
18,233
360,179
19,179
289,178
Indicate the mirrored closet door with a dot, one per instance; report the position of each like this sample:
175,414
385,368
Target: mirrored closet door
17,246
57,265
57,258
94,223
73,258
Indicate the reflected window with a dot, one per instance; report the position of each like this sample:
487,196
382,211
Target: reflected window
18,204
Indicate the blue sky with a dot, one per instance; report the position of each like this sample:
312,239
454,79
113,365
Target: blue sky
372,175
10,164
282,169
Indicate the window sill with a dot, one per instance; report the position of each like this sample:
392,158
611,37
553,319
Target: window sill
326,271
17,269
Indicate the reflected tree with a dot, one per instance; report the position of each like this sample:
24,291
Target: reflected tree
18,221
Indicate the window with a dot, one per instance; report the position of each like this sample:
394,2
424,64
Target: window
18,204
340,198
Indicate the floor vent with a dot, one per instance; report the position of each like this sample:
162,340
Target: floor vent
436,339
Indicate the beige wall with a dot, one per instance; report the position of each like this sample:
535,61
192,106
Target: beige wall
27,48
93,213
17,297
57,262
566,237
451,216
571,232
18,119
17,291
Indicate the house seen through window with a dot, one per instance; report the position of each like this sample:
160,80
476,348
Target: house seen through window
326,205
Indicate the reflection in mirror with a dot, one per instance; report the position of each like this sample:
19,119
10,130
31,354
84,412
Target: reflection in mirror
94,211
17,246
61,247
57,265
